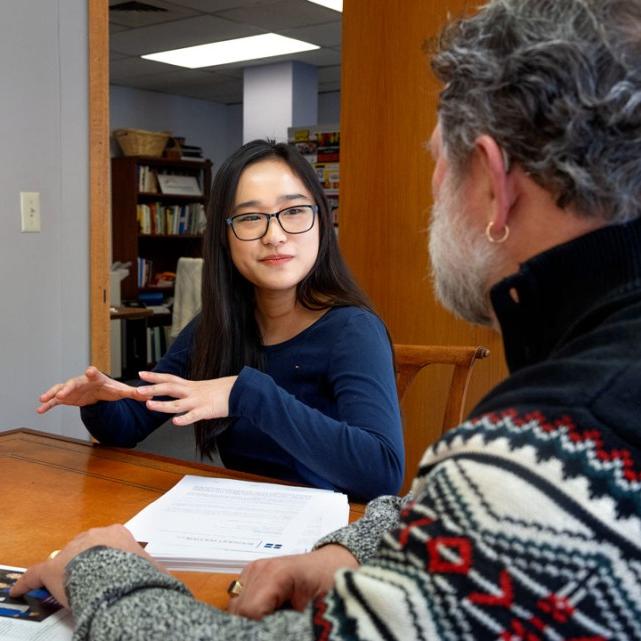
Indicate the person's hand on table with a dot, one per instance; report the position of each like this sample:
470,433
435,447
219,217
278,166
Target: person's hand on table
269,584
194,400
50,573
87,389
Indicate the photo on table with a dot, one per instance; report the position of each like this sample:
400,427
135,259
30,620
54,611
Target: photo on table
36,605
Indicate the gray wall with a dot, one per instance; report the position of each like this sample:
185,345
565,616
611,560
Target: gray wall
329,108
217,128
44,324
210,125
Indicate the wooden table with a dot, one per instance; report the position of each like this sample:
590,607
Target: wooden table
54,487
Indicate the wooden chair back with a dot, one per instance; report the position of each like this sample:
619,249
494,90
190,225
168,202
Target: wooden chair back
411,359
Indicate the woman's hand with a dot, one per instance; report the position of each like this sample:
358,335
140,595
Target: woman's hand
50,573
195,400
269,584
87,389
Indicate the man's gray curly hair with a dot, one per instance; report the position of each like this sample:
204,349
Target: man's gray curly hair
557,84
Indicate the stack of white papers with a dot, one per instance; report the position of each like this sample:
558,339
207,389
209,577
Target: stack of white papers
219,525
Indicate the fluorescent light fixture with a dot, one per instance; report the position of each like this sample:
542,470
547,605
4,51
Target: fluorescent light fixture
336,5
222,53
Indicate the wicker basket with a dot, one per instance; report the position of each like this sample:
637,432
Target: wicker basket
138,142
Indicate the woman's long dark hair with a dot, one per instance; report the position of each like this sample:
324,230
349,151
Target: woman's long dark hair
227,336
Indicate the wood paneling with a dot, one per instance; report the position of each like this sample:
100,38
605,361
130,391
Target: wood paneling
99,190
388,110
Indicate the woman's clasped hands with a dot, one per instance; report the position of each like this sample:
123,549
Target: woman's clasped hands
191,401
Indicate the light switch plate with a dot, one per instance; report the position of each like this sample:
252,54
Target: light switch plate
30,211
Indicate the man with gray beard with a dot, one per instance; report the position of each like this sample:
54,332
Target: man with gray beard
524,523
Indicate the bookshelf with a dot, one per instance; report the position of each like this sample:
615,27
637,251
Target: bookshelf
151,229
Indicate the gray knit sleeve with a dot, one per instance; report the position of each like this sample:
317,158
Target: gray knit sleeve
362,537
119,596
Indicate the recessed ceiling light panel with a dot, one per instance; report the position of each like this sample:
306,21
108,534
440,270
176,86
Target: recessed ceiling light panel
227,51
336,5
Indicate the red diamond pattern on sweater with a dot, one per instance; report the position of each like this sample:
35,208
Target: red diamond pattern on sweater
439,564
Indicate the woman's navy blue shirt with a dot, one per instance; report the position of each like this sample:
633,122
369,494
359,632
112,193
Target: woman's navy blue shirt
324,412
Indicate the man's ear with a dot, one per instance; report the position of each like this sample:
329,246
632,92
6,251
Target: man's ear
495,164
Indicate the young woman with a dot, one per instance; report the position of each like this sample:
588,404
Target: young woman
286,371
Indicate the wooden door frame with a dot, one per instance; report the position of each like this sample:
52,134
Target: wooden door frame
99,187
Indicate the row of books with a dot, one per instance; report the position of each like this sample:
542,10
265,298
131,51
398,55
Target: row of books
191,152
320,145
147,181
159,218
332,201
145,271
329,176
156,342
177,148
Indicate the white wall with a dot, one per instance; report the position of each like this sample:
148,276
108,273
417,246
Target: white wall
44,283
202,123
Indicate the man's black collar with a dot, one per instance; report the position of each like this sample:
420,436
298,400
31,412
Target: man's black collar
566,290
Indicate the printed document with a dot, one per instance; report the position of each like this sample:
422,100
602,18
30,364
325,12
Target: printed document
220,525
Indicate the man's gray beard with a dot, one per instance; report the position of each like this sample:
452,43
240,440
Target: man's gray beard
462,260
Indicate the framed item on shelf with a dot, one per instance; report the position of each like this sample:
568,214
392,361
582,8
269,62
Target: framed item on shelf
174,185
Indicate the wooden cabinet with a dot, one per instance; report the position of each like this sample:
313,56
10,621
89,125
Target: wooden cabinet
134,190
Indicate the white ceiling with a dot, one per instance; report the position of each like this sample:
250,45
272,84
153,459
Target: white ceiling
192,22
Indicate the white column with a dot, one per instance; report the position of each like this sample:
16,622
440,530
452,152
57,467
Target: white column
278,96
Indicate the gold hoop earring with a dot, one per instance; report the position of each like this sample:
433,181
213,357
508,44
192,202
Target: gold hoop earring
492,239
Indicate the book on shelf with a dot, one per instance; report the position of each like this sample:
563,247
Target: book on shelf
191,152
332,201
159,310
328,154
144,271
329,176
147,182
151,298
207,524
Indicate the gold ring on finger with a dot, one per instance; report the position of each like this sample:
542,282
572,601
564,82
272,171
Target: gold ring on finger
235,588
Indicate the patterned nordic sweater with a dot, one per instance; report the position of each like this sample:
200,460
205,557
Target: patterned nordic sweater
523,524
